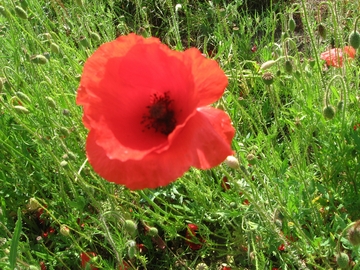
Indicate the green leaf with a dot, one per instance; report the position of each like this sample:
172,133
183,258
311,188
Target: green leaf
15,241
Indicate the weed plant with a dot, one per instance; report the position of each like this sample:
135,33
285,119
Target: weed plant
289,203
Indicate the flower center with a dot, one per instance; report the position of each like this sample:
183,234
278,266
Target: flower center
160,115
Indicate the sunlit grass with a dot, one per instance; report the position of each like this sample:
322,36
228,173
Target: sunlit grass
287,206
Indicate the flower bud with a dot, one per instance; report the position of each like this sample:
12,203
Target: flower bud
21,13
322,31
64,230
354,39
267,64
342,260
329,112
354,234
251,159
39,59
153,231
288,66
79,3
63,163
292,24
130,226
84,42
340,105
95,36
232,162
63,131
21,109
4,12
33,204
50,102
54,47
22,96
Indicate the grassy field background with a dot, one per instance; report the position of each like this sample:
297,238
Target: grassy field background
290,204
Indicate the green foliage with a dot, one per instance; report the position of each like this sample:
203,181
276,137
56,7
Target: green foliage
287,205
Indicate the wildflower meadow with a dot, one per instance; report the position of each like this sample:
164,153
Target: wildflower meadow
162,134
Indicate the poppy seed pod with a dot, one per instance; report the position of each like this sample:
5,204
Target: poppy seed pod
232,162
342,260
354,39
329,112
21,13
268,78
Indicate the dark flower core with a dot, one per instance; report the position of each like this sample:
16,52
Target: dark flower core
160,116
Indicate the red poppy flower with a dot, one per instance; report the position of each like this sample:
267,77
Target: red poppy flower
192,237
334,57
85,258
146,107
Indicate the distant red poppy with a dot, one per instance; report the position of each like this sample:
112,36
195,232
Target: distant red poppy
334,57
85,258
146,107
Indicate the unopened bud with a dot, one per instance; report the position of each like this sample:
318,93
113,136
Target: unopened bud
130,226
39,59
232,162
354,39
95,36
33,204
342,260
292,24
22,96
4,12
54,47
329,112
21,13
21,109
153,231
251,159
51,102
64,230
322,31
288,66
63,163
267,64
84,42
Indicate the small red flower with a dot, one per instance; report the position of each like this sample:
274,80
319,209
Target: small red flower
192,237
85,258
281,247
334,57
146,107
225,183
356,126
254,48
42,265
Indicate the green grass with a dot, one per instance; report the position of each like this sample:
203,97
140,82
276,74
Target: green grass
288,206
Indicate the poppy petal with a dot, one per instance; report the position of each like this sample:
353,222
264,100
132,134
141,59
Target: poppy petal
208,147
210,80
